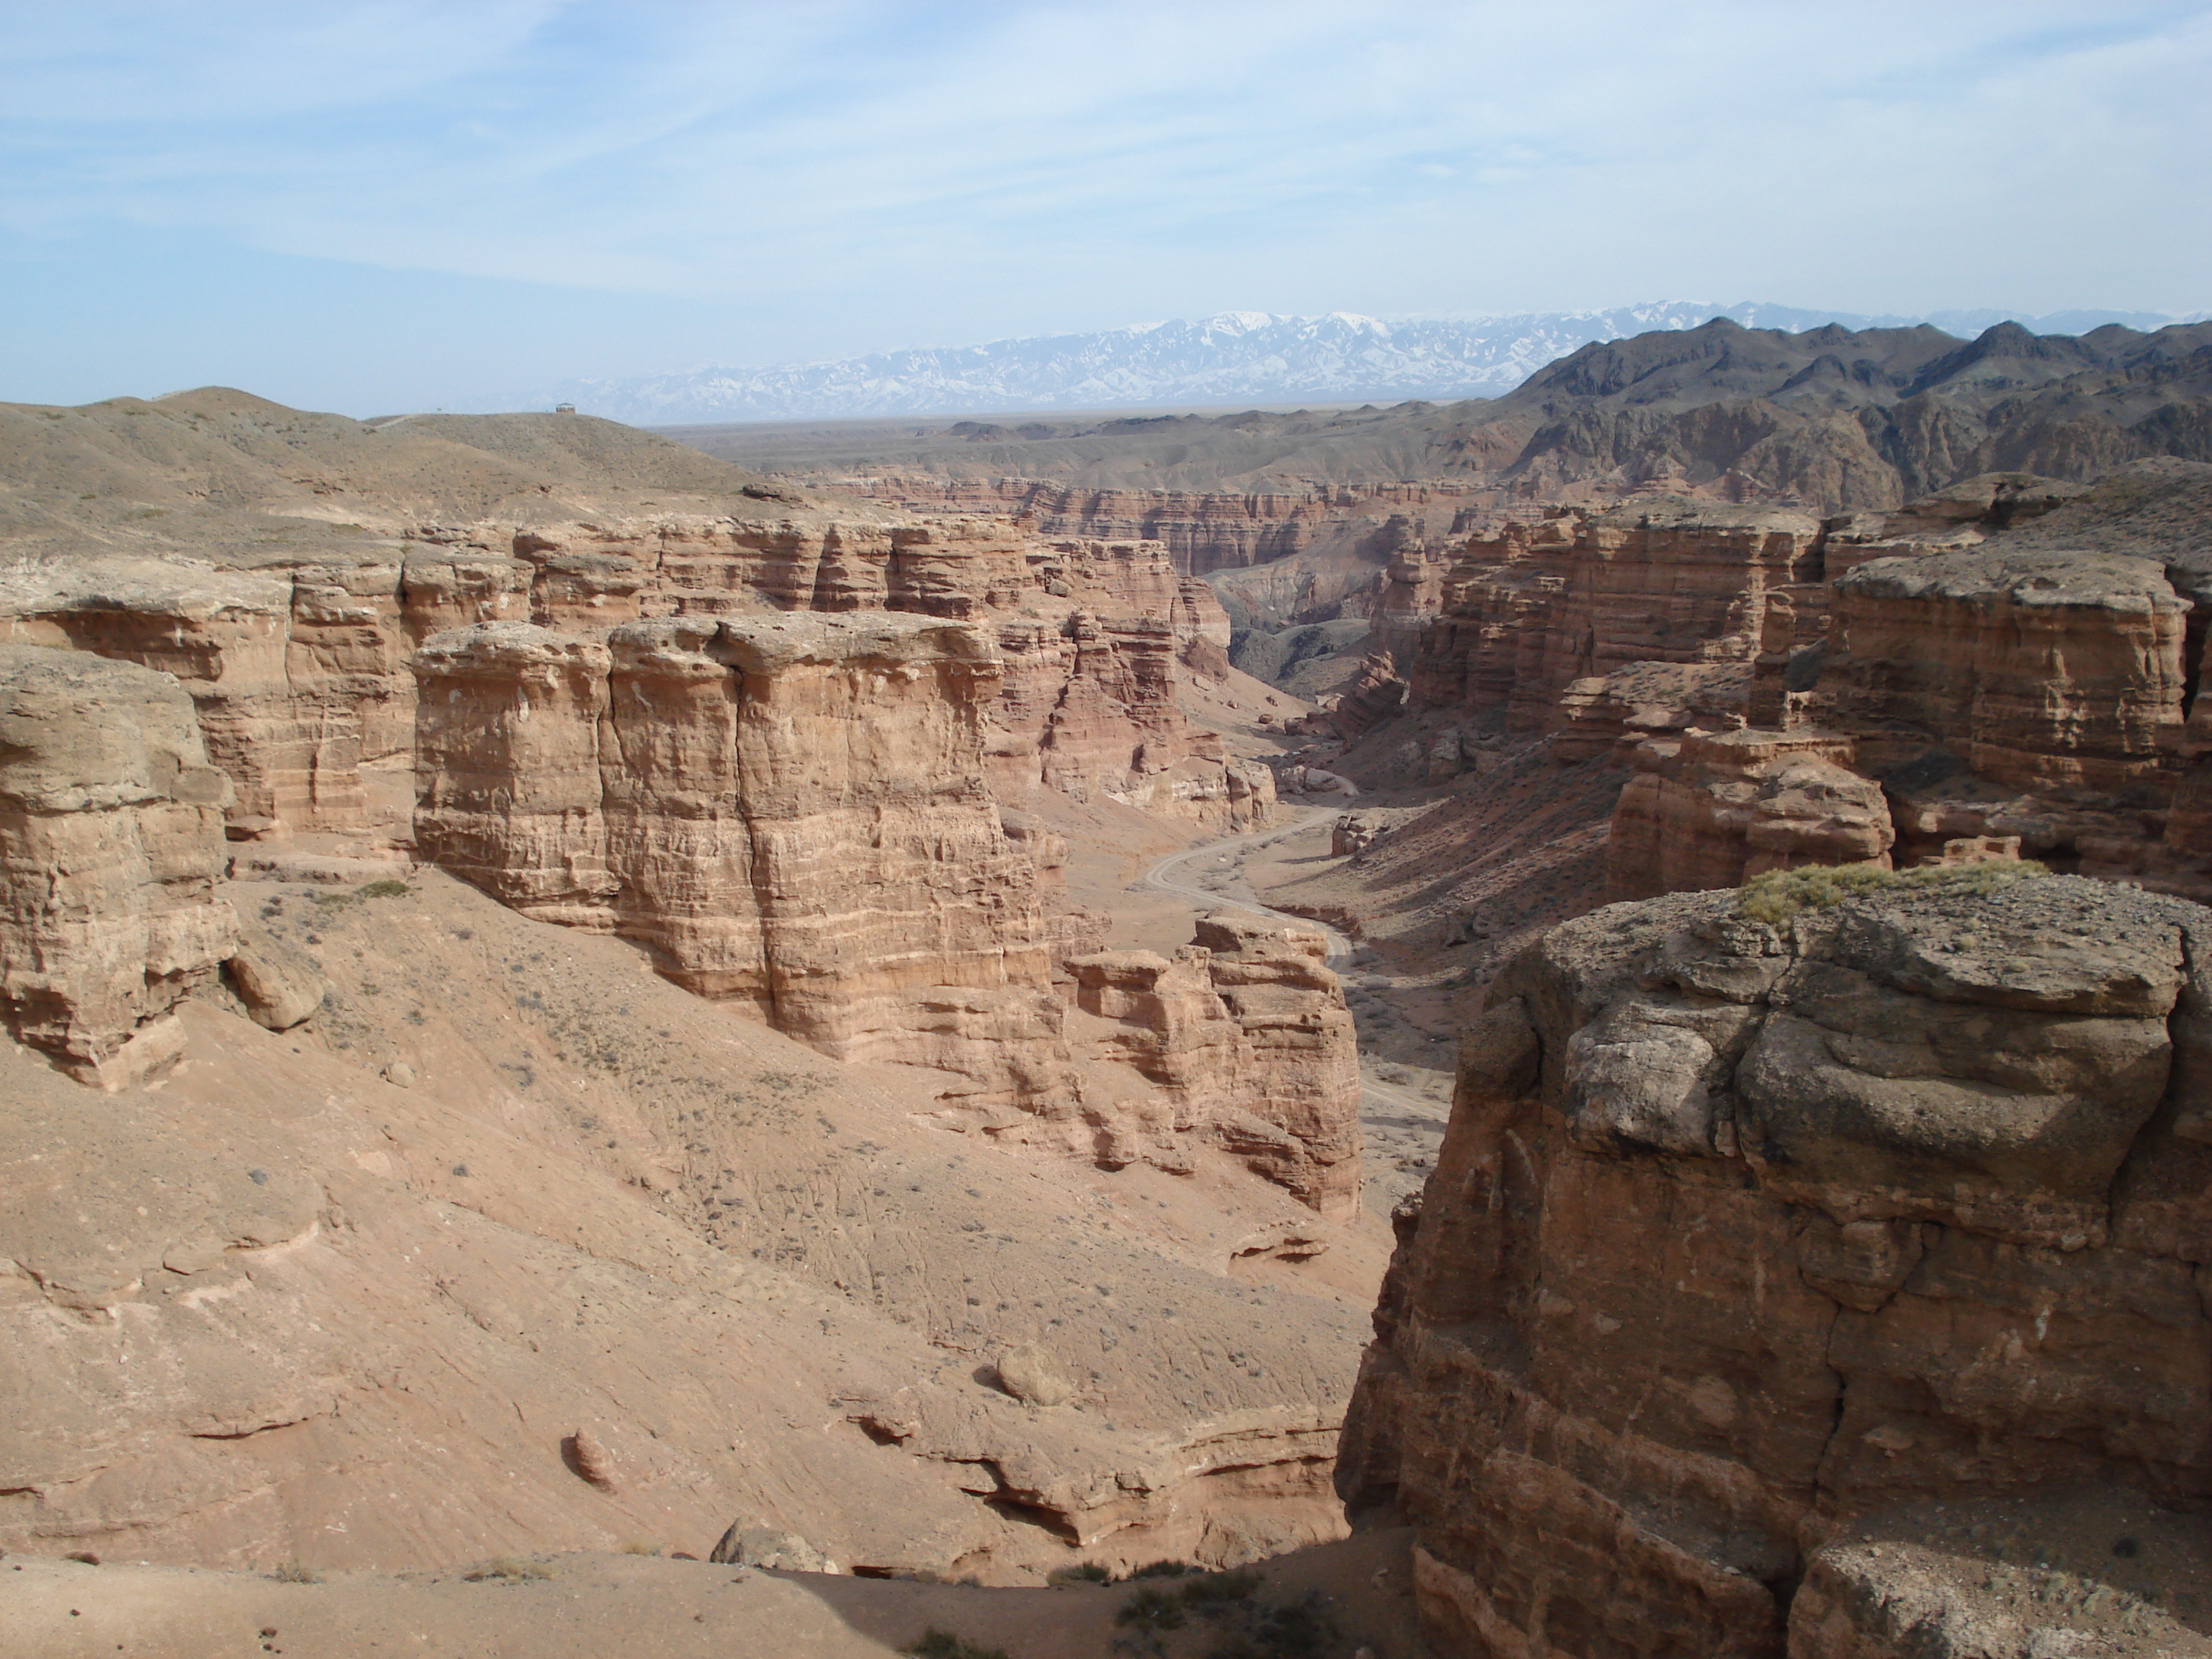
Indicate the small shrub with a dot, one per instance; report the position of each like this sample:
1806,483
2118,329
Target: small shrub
506,1566
1211,1592
1090,1572
641,1547
293,1573
1214,1596
383,890
1294,1630
937,1643
1152,1609
1779,895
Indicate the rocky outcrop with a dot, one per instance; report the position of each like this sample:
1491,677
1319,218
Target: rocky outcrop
300,669
2037,670
789,812
1241,1038
1537,606
1608,716
111,848
1113,726
1715,809
1091,632
1746,1233
297,669
2010,661
1302,1075
1202,531
507,768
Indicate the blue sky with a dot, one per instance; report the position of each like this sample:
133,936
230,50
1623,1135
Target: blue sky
379,205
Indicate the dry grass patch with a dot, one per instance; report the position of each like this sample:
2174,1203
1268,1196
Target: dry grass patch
1778,895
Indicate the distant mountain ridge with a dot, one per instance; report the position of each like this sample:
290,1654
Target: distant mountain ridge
1830,418
1236,356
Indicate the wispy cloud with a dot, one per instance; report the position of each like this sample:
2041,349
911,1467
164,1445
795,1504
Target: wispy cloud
940,171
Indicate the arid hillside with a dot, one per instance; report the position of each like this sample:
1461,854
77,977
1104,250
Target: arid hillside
216,468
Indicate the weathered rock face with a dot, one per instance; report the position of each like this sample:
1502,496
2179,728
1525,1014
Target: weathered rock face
790,811
1302,1077
1538,606
1088,709
1611,716
1741,1233
1242,1038
1987,683
507,768
298,671
111,847
1090,631
2037,669
1202,529
1715,809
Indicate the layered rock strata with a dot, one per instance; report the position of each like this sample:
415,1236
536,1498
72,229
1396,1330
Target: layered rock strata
1203,530
111,850
1743,1235
1531,609
1243,1037
789,810
299,672
2037,669
1536,607
1961,680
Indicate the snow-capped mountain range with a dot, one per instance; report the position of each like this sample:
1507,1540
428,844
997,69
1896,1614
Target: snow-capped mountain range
1237,357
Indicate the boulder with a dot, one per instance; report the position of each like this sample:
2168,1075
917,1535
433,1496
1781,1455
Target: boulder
1029,1374
753,1542
279,983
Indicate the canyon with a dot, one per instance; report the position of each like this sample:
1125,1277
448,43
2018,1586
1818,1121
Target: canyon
334,857
571,996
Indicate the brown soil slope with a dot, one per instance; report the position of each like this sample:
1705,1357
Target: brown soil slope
278,1305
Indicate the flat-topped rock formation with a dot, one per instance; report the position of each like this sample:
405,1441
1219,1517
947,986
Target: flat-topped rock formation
789,810
1715,809
1748,1232
1528,611
2038,669
300,669
2035,685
